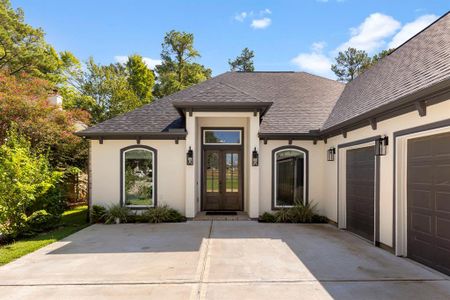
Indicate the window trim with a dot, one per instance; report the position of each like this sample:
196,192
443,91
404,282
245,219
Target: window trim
218,129
305,174
154,174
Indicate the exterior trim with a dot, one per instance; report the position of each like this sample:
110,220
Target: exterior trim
133,135
155,174
361,141
221,147
185,106
273,207
396,134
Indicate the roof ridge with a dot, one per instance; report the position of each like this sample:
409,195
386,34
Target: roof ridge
239,90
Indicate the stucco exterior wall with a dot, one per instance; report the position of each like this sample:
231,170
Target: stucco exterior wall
105,170
329,201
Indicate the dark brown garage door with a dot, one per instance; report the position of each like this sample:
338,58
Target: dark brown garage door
360,191
428,177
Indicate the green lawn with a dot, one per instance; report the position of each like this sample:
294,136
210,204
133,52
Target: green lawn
71,221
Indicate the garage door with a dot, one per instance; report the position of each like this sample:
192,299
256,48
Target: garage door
360,191
428,192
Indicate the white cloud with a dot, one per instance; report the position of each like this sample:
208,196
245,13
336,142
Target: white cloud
265,12
150,62
315,61
240,16
410,29
370,35
261,23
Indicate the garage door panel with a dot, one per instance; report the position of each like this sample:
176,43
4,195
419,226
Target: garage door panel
420,199
428,204
360,180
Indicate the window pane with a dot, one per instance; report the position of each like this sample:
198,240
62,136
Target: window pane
289,177
212,172
232,172
138,177
222,136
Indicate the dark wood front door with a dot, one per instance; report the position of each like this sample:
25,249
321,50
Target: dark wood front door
222,179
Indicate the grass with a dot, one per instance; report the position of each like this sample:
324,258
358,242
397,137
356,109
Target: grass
72,221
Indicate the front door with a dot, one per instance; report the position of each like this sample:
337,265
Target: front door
222,179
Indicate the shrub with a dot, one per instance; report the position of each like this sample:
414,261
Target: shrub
116,212
302,213
24,177
97,214
41,221
299,213
160,214
283,216
267,218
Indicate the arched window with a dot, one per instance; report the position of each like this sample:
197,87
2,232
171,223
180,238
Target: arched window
290,176
138,177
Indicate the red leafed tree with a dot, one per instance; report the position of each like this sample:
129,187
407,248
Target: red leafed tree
24,101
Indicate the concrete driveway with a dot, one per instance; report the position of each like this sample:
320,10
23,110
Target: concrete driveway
217,260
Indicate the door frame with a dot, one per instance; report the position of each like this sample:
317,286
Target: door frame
238,148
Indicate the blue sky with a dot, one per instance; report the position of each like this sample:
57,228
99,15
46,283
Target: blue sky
285,35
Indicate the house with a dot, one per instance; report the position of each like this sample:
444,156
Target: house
374,154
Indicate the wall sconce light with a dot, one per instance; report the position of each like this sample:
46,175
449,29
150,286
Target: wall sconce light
331,153
255,158
381,146
190,157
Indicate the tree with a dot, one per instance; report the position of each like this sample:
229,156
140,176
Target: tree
106,91
23,101
24,49
140,78
377,57
24,177
350,63
243,62
178,69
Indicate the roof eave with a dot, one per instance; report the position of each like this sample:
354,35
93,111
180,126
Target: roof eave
183,106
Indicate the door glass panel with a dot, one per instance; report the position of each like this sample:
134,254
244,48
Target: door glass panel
230,137
232,172
212,172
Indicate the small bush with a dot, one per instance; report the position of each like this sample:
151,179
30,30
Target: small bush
267,218
114,212
162,214
299,213
98,214
283,216
41,221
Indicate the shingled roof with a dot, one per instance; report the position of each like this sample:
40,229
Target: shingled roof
301,102
421,62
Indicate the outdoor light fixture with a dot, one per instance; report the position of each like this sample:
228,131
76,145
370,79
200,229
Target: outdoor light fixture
255,158
381,146
190,157
330,154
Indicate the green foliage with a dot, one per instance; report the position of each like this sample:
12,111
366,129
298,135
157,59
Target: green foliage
267,218
161,214
243,62
24,49
41,221
350,63
115,212
302,213
299,213
140,78
97,214
106,91
24,177
178,69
